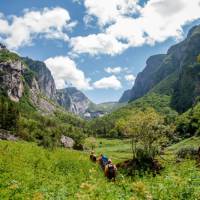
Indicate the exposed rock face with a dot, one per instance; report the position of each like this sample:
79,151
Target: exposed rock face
39,101
174,73
125,96
43,76
11,80
147,78
73,100
67,142
6,135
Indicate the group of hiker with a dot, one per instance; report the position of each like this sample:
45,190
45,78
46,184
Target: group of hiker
110,170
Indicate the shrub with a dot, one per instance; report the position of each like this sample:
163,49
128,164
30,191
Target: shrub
188,152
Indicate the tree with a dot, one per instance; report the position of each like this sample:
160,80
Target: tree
9,114
146,130
91,143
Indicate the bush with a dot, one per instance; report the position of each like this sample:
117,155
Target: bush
188,152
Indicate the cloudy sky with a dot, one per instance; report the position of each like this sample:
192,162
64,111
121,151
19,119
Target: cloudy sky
98,46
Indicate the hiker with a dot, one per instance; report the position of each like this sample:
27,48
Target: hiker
93,157
103,160
110,170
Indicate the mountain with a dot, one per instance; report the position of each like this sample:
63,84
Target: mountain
43,76
11,70
175,73
19,82
73,100
21,77
125,96
70,98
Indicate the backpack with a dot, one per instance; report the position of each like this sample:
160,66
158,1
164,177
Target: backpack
105,160
111,171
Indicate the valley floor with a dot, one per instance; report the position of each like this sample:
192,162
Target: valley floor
31,172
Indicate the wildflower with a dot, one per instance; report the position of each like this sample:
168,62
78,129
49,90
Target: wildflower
86,186
38,196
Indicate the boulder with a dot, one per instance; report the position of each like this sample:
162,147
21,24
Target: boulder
6,135
67,142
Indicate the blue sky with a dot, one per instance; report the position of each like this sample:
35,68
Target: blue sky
97,46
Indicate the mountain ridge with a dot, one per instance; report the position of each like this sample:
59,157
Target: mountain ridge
34,76
164,73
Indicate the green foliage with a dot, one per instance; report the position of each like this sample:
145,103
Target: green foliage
188,124
106,126
188,152
31,172
186,88
147,132
28,76
26,122
9,114
25,106
165,87
47,130
91,143
6,55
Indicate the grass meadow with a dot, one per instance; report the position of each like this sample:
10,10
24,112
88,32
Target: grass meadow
31,172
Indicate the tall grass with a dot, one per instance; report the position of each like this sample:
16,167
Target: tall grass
31,172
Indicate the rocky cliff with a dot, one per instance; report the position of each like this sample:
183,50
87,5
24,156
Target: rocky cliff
73,100
11,78
43,76
125,96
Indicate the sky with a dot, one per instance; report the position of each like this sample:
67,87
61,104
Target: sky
98,46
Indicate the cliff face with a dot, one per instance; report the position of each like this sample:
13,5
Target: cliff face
43,76
125,96
11,79
187,87
174,73
17,79
73,100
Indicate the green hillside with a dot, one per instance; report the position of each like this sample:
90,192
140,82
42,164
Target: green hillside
105,126
31,172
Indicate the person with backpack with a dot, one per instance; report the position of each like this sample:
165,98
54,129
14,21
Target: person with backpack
103,160
110,170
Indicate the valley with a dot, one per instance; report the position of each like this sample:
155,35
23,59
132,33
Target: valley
156,121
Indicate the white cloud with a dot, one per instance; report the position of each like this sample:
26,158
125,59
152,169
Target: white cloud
65,71
113,70
97,44
110,82
130,77
47,23
125,24
108,11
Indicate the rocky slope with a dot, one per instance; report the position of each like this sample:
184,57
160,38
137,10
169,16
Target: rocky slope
125,96
174,74
73,100
43,76
11,70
